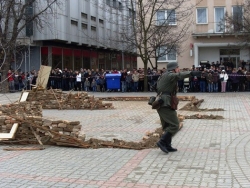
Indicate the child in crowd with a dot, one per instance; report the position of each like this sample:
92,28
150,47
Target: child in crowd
93,85
86,84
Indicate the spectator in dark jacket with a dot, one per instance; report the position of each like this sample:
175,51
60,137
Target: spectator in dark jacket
235,80
203,82
123,80
242,79
215,80
209,79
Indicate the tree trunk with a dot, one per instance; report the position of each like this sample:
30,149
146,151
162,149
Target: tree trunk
145,77
4,85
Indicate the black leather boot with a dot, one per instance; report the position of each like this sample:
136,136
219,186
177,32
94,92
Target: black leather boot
162,143
168,143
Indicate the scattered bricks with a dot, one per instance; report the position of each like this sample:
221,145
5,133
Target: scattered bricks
156,135
8,126
76,130
62,125
73,134
66,122
62,100
4,127
57,129
54,125
66,133
68,129
7,121
74,123
57,121
2,117
38,123
37,118
47,124
81,136
77,126
2,122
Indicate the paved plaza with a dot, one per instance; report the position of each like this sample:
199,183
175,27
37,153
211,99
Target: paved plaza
211,153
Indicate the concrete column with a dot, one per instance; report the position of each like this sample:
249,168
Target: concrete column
196,55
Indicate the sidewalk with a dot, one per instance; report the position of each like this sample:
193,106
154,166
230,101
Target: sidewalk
211,153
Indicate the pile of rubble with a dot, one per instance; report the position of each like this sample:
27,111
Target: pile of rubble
33,129
199,116
56,99
181,98
194,105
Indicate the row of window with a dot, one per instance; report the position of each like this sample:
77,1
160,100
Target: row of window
168,17
114,4
219,17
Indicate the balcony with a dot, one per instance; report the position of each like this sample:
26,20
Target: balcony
212,29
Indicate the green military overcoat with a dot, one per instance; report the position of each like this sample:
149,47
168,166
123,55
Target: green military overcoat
166,84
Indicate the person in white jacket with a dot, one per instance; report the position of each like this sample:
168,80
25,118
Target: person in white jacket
223,78
78,80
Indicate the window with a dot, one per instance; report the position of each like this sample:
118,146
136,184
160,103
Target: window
85,16
237,18
219,14
167,55
73,22
131,13
84,26
108,2
101,21
166,17
93,18
114,4
120,6
201,16
93,28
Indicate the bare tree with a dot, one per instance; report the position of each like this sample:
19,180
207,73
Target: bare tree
238,22
158,29
18,18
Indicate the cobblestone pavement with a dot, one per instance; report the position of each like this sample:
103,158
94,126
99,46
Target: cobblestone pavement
211,153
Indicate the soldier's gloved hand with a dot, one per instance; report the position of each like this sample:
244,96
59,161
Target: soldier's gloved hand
195,73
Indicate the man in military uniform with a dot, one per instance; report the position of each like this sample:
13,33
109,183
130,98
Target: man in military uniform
166,86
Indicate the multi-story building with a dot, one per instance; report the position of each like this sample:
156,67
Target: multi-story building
209,39
81,34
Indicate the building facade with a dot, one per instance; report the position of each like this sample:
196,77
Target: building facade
208,38
80,34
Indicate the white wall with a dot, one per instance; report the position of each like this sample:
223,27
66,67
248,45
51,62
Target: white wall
211,54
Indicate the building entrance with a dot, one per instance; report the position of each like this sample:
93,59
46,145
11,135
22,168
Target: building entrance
230,55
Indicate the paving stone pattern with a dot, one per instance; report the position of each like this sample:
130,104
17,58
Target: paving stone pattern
211,153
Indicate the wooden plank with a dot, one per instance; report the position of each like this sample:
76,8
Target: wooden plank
20,149
37,137
43,76
11,134
24,96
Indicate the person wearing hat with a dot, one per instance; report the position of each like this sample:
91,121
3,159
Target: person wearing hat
167,86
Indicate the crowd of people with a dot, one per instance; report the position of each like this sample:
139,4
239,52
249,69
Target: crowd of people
212,79
218,79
